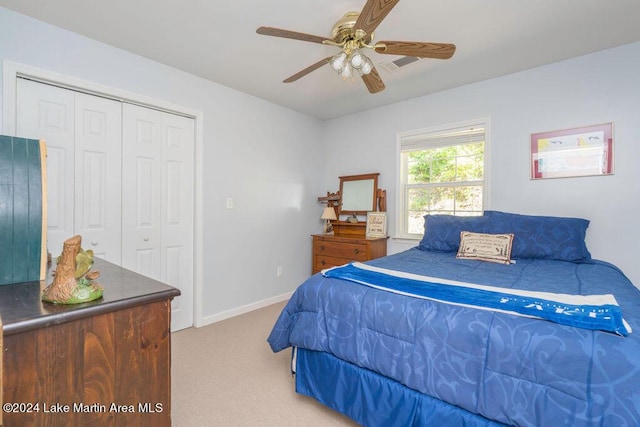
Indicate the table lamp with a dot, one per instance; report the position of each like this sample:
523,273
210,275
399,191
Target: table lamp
328,214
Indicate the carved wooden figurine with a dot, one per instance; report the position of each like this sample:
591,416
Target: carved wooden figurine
73,280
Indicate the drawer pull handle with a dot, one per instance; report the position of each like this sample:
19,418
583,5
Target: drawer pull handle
323,262
356,250
322,247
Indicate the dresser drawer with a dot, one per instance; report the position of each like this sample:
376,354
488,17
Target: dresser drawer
321,262
349,251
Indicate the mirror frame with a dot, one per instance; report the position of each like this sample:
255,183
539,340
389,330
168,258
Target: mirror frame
374,194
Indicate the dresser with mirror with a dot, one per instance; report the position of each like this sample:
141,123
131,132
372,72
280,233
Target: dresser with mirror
358,195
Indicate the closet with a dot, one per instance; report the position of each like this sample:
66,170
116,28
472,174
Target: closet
121,176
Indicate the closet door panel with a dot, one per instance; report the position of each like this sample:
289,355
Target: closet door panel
47,112
56,209
98,175
177,213
141,191
145,261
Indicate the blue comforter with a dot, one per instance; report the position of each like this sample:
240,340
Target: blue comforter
514,370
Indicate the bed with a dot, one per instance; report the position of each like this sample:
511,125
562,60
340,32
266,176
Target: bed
370,344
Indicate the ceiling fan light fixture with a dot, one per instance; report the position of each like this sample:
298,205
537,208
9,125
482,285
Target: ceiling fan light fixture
338,62
345,63
358,60
347,71
366,67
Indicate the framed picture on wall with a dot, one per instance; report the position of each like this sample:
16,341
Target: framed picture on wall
585,151
376,224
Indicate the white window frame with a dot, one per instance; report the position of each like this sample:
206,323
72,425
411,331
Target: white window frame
401,216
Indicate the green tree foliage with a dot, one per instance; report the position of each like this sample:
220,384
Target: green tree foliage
456,168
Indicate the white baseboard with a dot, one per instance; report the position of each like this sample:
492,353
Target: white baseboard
207,320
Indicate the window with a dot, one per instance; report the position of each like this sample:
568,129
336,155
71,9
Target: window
442,171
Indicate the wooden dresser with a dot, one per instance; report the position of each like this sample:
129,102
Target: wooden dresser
105,362
332,250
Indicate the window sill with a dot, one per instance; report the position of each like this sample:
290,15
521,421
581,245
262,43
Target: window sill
406,239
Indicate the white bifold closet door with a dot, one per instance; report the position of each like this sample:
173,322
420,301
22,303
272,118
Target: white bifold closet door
158,200
121,176
83,135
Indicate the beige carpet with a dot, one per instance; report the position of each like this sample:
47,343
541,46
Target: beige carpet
225,374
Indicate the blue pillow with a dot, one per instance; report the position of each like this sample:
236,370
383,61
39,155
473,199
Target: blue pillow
542,237
442,232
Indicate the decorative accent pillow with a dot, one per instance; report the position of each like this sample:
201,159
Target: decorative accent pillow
485,247
542,237
442,232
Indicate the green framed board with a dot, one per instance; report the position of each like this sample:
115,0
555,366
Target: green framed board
23,228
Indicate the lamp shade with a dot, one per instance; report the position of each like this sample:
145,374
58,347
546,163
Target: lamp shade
329,213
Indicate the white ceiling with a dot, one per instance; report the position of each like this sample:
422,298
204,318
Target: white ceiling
216,40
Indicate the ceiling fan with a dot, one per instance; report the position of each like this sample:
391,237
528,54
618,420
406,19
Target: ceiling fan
354,32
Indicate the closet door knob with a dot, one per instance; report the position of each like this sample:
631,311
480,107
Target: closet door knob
146,239
94,243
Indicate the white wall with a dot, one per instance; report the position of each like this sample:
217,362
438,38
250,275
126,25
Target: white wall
592,89
263,156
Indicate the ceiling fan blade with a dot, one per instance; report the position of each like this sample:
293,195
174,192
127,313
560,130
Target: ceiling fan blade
287,34
308,70
373,81
373,13
419,49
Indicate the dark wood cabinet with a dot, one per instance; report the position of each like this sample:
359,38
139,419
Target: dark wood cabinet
103,363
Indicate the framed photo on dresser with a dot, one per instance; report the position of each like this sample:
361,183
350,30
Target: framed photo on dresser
376,224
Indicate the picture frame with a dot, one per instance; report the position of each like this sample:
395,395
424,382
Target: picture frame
582,151
376,224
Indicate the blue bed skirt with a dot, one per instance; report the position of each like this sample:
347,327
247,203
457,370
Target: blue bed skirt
371,399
